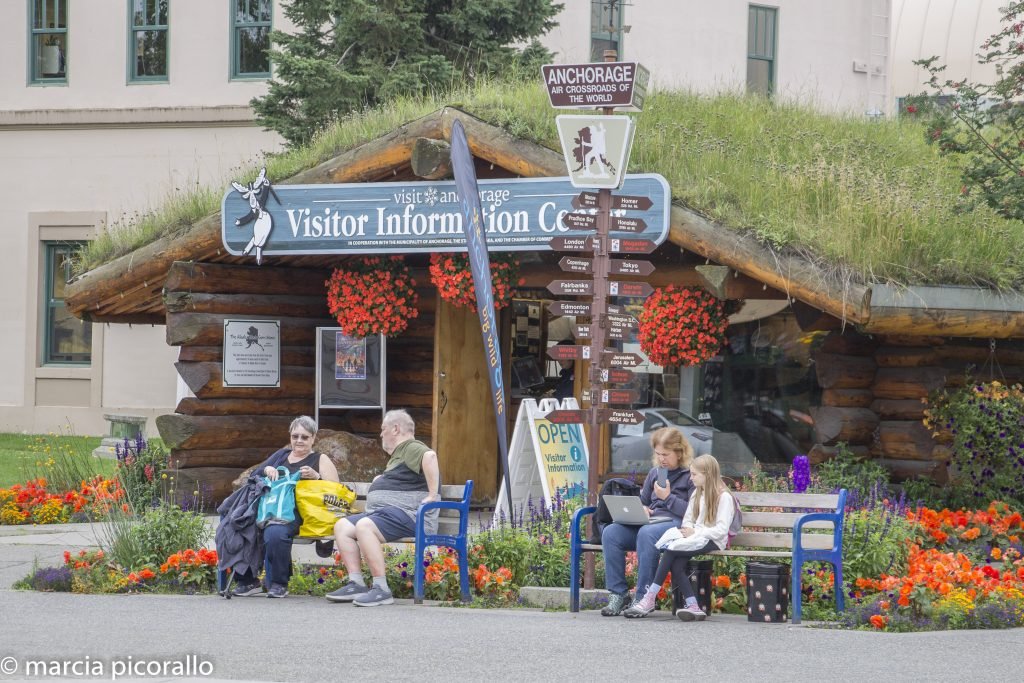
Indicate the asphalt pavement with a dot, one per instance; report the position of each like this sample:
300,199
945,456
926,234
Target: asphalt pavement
61,636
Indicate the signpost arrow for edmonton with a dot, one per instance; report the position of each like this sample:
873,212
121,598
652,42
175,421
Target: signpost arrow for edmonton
572,287
619,416
640,290
562,417
629,246
621,266
580,221
614,359
576,264
559,308
569,352
573,243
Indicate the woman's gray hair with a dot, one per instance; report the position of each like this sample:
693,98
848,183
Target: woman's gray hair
306,422
402,419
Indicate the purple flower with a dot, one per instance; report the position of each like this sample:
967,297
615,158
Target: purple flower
801,473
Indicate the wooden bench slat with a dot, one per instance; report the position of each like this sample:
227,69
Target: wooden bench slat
764,539
753,552
779,520
788,500
448,491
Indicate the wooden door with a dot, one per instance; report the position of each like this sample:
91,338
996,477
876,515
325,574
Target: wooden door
464,431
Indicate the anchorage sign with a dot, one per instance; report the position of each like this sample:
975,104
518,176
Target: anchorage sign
521,214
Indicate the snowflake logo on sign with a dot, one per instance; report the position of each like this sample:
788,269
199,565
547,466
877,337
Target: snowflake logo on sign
591,149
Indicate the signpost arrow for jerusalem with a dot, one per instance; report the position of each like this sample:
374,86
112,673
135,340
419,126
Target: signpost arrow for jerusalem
572,287
580,221
621,266
620,416
615,359
640,290
559,308
576,264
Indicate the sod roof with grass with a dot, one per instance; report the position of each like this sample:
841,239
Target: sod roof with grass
861,219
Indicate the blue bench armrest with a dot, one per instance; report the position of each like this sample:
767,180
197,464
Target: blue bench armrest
457,542
575,552
833,556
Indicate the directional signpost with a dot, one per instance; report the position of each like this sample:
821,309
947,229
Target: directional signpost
596,151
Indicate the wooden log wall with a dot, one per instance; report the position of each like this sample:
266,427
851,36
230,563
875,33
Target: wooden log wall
222,431
872,391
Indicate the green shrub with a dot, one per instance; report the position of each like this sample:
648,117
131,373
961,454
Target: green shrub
132,542
846,471
141,465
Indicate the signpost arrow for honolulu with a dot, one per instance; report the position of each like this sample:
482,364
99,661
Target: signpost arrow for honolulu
576,264
558,308
620,416
623,224
631,267
640,290
572,287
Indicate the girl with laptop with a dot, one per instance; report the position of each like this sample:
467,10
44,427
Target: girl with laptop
705,528
671,458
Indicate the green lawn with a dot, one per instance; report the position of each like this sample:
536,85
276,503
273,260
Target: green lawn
69,457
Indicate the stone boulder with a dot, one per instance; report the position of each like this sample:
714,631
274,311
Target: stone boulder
357,458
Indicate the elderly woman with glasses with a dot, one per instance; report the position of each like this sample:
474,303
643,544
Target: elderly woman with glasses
299,457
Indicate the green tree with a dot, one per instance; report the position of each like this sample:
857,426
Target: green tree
983,123
349,54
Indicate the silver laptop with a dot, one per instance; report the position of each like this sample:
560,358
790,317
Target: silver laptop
630,510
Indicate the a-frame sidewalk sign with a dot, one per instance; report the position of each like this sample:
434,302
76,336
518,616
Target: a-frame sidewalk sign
544,457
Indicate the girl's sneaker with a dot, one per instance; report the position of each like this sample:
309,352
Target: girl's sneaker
690,614
642,607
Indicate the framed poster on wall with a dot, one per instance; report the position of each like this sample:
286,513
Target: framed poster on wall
252,353
350,372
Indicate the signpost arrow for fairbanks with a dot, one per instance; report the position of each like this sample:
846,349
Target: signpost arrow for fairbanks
572,287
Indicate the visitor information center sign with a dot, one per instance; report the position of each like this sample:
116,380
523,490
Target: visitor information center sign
519,214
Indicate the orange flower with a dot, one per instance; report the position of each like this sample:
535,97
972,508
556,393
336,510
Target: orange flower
723,581
885,604
878,621
997,554
146,574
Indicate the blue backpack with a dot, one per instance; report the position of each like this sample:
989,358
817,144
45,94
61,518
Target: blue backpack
277,504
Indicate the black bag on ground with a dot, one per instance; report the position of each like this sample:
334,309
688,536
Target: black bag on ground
700,581
767,592
602,518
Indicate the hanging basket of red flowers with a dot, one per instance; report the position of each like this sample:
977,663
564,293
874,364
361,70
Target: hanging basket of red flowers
682,326
372,295
453,278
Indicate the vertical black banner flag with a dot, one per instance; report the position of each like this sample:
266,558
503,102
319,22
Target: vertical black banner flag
480,264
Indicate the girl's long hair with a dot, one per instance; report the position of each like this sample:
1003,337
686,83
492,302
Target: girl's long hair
709,494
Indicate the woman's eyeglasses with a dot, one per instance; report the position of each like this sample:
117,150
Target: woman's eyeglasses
301,437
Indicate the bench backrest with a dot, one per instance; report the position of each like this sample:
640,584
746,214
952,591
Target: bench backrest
769,519
447,521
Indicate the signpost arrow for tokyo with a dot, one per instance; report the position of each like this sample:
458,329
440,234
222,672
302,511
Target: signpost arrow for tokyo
621,266
576,264
572,287
618,416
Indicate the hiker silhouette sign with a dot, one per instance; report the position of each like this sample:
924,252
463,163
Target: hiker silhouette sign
596,148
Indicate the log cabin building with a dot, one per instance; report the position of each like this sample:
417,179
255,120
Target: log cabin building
810,362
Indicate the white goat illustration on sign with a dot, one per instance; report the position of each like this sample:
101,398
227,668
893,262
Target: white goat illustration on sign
257,193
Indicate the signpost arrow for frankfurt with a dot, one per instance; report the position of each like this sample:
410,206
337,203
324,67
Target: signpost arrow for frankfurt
618,416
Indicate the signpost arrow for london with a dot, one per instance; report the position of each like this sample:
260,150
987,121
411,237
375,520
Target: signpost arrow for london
622,417
576,264
630,246
569,352
572,287
630,267
615,359
559,308
580,221
640,290
572,243
562,417
623,224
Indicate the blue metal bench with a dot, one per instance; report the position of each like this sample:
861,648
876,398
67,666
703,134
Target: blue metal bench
766,533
